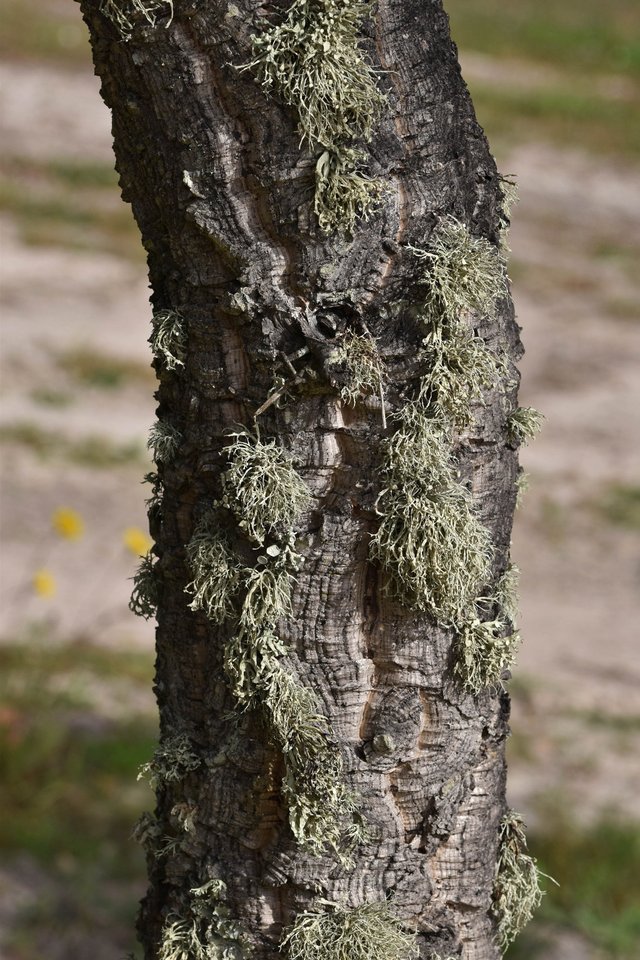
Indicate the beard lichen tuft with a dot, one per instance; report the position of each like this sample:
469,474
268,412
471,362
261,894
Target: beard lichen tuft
125,14
523,482
523,424
169,338
343,193
262,488
145,594
217,575
357,356
516,891
314,62
164,441
460,368
173,759
368,932
483,653
437,552
462,273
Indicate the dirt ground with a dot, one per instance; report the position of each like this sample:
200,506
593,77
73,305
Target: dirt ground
575,242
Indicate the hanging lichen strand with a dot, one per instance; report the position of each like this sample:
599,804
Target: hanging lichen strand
367,932
438,555
314,62
516,890
265,496
125,14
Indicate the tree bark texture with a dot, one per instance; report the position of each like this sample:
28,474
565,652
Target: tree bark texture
222,191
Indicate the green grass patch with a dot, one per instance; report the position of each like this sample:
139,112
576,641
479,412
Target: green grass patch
580,35
89,451
567,115
44,30
94,369
598,871
70,204
620,505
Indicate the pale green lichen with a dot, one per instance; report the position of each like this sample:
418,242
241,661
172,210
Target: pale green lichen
155,500
506,592
173,759
460,368
204,930
523,424
437,552
357,355
314,62
343,193
322,811
185,814
164,441
217,575
483,653
145,594
146,830
516,892
523,482
368,932
169,338
262,488
462,273
126,13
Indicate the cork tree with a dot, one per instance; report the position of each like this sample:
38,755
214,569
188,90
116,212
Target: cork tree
336,457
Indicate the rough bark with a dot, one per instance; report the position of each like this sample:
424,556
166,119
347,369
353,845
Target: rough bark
221,190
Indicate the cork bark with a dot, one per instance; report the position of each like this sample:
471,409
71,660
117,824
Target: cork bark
223,194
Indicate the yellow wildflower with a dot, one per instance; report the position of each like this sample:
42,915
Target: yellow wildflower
136,541
68,523
44,583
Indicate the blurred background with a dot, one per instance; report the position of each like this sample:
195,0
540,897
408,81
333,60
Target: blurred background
556,88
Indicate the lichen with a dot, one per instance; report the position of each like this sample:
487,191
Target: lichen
173,759
483,653
523,424
357,355
217,574
509,189
155,500
436,550
506,592
516,892
523,482
462,273
314,62
460,368
124,14
262,488
164,441
145,594
367,932
342,192
169,338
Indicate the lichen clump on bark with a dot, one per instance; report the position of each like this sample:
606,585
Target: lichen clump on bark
164,441
262,488
357,354
125,14
266,496
523,424
516,891
145,594
368,932
169,338
207,932
173,759
436,550
314,62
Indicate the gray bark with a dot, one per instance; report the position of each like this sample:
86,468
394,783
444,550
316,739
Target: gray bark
222,193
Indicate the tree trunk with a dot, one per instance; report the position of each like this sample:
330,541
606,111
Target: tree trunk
262,299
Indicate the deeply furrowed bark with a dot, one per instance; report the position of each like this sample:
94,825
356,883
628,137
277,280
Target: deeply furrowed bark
223,195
